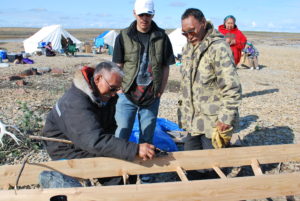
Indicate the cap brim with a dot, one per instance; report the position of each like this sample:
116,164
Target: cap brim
144,11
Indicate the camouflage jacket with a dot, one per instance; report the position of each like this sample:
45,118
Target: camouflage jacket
210,87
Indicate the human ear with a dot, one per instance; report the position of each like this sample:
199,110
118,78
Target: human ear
97,78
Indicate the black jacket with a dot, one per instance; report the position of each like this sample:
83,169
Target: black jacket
79,117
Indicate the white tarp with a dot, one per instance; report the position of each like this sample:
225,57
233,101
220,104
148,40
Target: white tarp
177,40
51,34
110,38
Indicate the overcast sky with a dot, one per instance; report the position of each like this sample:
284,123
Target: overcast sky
254,15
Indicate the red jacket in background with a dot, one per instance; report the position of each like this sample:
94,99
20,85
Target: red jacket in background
240,39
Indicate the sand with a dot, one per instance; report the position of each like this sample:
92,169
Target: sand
269,111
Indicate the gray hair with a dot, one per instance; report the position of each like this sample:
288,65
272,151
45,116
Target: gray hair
109,67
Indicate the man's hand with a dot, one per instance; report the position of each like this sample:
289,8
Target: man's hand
159,94
146,151
222,127
120,91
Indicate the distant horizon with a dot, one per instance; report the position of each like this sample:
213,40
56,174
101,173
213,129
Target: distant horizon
161,27
258,16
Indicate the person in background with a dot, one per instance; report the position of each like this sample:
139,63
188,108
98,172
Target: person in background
64,44
144,52
251,53
210,87
49,50
69,41
19,60
85,116
234,37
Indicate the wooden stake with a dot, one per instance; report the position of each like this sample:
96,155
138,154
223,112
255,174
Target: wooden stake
125,177
219,172
255,167
20,172
181,173
50,139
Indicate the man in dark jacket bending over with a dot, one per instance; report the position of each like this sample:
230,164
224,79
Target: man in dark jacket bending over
85,115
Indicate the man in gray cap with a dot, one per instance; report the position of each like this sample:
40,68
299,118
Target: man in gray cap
144,52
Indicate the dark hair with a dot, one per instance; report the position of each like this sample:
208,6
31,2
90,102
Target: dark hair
228,17
196,13
108,66
70,42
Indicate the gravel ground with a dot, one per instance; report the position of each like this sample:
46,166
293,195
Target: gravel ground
269,112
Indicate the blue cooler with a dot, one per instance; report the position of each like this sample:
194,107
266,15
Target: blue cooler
41,44
3,54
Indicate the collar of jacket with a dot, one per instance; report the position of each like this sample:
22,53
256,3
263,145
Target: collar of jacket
155,31
83,80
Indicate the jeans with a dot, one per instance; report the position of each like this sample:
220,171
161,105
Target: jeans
125,116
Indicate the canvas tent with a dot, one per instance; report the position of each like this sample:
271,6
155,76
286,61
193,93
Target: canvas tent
107,37
177,41
99,40
52,34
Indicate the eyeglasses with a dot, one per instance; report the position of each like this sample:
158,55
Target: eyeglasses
111,89
189,32
145,14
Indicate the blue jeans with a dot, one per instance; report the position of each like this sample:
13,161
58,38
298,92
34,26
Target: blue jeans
125,116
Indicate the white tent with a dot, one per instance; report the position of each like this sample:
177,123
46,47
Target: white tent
51,34
110,38
177,40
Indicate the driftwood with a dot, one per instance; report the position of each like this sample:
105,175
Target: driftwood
49,139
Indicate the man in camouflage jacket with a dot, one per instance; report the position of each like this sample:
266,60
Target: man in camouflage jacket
210,88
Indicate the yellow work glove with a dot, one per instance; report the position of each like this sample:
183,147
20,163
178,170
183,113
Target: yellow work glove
221,139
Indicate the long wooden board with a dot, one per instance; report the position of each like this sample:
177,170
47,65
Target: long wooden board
242,188
187,160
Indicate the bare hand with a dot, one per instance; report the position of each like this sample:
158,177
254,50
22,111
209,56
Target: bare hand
222,127
146,151
120,91
159,95
228,40
232,42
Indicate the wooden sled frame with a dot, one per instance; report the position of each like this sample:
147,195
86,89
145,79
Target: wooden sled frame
250,187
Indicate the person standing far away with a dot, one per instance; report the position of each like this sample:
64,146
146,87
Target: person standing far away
234,37
210,87
144,52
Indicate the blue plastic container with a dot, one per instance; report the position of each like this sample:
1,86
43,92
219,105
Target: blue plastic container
42,44
3,54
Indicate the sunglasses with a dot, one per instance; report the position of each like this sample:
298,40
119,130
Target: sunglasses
145,14
111,88
189,32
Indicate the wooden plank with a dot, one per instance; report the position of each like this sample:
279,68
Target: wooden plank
219,172
242,188
107,167
181,174
256,168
